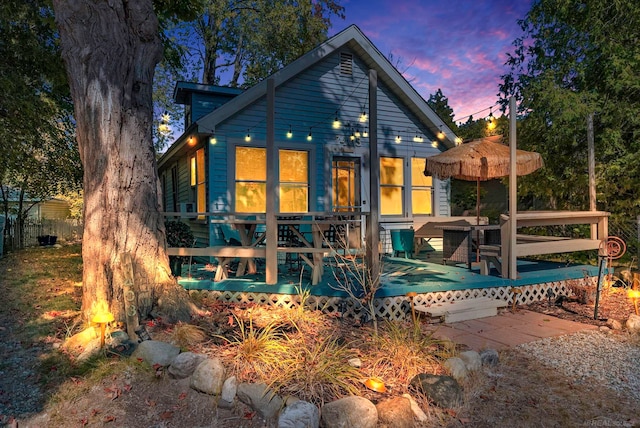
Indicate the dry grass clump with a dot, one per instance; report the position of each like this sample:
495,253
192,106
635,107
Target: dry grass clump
186,335
316,371
403,350
254,351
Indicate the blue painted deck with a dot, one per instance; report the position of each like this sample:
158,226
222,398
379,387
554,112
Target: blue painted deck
399,277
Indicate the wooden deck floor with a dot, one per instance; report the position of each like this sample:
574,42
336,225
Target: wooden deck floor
423,274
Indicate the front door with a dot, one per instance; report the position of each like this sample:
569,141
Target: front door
345,182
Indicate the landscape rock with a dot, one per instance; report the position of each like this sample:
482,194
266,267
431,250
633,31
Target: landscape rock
418,413
355,362
489,357
264,401
184,364
633,323
614,324
155,352
349,412
395,413
90,349
456,367
229,389
471,360
208,376
444,391
300,414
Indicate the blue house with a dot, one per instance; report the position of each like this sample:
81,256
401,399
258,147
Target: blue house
323,134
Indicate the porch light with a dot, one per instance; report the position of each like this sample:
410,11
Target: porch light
212,139
290,132
192,141
248,137
336,122
309,137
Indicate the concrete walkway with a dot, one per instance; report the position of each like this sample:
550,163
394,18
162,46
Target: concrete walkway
507,329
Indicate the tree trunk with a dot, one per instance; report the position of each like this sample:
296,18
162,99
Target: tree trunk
110,49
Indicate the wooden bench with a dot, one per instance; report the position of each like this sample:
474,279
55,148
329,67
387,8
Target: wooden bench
529,245
463,310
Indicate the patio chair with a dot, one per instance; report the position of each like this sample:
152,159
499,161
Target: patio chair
402,242
287,238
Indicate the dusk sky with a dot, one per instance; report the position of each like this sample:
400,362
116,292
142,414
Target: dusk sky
458,46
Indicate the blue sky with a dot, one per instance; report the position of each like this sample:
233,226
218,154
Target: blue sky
459,46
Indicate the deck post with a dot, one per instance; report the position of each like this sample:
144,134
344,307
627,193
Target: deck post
511,266
271,256
372,230
592,171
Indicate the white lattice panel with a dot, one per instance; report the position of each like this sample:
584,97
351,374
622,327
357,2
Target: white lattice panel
398,307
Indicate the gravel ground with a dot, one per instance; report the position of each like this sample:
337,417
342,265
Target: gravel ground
609,359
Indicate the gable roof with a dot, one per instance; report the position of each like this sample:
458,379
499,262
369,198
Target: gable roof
353,38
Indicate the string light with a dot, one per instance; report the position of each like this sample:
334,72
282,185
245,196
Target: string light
309,137
248,137
192,141
164,127
363,116
441,134
398,139
458,141
365,133
336,122
290,132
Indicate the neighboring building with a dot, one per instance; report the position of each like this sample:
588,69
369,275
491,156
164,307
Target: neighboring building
48,209
219,163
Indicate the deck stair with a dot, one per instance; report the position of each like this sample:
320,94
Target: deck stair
463,310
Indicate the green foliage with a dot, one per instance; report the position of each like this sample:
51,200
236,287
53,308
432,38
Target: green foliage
179,234
39,155
440,105
577,58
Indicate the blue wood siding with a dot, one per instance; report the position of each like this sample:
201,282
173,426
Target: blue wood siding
308,103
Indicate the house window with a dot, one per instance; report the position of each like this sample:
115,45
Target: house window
198,181
294,181
251,179
391,186
421,188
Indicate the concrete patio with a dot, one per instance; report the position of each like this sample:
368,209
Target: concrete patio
507,329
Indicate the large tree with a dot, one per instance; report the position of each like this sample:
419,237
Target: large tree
110,49
573,59
254,38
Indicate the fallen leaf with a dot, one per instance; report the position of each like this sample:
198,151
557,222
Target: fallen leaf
231,320
182,396
109,419
464,420
95,412
249,415
157,366
127,387
166,415
84,421
150,402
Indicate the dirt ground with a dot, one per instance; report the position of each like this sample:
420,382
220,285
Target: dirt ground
519,392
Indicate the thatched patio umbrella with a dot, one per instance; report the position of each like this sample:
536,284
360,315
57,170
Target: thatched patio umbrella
480,160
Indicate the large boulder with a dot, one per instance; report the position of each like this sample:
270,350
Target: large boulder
264,401
300,414
208,377
395,413
184,364
155,352
444,391
349,412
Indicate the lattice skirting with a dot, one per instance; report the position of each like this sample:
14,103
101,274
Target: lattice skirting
398,307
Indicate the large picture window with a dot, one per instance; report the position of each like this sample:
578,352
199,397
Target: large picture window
391,186
251,179
421,188
294,181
